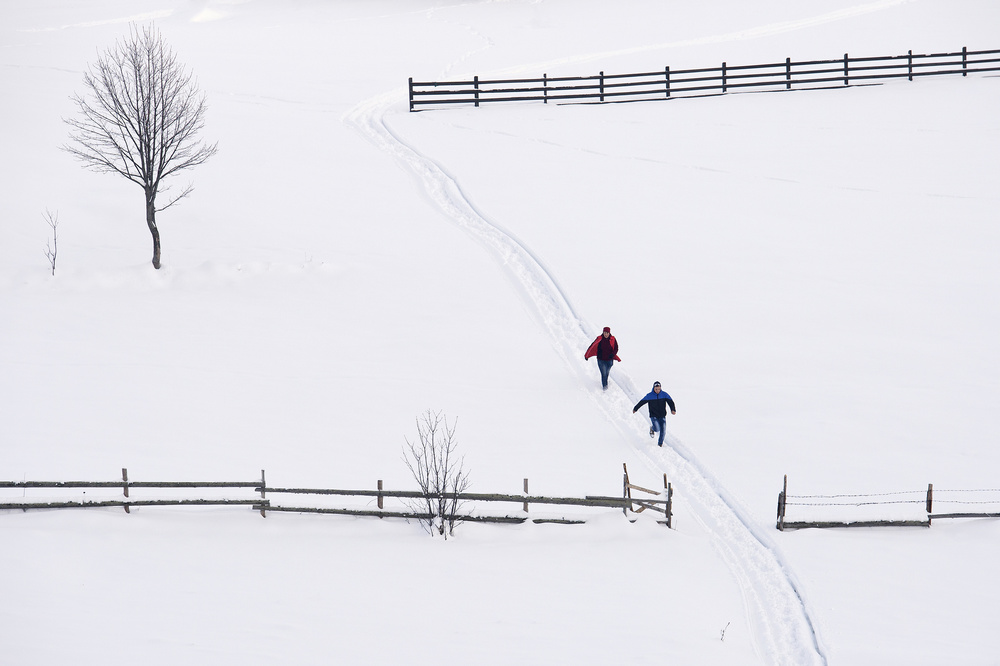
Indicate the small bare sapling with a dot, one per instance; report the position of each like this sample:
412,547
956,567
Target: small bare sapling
722,636
438,471
52,246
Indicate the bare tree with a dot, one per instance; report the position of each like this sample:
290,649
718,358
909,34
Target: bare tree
438,472
140,118
52,247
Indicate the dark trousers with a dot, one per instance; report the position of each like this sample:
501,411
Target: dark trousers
660,425
605,367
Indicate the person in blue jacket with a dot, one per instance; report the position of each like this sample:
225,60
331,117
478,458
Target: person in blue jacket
656,402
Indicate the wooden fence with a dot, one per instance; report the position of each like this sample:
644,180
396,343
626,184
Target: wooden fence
908,499
717,80
659,502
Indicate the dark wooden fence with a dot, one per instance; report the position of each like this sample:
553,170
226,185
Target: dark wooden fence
717,80
125,485
660,502
970,500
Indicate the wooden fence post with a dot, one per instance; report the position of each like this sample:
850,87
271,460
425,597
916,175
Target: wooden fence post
847,78
668,509
930,497
723,77
666,73
475,83
545,88
411,93
909,64
964,58
525,492
602,86
263,483
626,491
788,73
781,505
125,486
380,494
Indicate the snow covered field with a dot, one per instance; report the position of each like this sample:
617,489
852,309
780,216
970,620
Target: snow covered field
812,276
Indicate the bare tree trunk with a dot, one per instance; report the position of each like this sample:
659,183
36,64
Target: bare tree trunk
151,223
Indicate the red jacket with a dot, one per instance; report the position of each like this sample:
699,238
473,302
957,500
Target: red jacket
592,350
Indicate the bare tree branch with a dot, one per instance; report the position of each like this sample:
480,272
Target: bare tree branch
52,249
439,475
187,190
140,117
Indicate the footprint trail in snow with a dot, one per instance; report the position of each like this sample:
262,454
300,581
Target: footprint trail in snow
782,629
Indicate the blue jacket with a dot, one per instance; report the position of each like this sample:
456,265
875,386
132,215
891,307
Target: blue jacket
657,404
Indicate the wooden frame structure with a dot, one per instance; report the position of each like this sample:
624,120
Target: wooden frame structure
667,508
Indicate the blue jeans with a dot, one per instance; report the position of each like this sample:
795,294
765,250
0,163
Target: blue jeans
660,426
605,367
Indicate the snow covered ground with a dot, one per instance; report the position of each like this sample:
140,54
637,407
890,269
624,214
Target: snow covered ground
812,276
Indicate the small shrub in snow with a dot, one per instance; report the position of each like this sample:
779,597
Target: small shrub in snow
52,247
438,472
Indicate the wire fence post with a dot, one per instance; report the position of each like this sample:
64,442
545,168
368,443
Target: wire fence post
965,54
781,505
475,84
723,77
411,93
666,73
930,497
602,86
847,79
525,492
263,488
788,73
545,88
380,494
125,487
909,64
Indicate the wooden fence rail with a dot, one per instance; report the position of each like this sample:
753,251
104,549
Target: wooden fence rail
589,500
722,79
263,504
911,497
97,504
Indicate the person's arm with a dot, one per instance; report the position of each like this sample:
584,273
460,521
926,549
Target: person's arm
670,401
640,404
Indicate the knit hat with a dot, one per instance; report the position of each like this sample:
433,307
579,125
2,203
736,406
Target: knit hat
607,329
655,384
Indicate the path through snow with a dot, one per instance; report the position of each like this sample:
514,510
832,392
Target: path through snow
782,629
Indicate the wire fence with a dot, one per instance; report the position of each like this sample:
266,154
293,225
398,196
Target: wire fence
667,83
866,509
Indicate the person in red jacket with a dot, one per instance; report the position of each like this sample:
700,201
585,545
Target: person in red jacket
605,348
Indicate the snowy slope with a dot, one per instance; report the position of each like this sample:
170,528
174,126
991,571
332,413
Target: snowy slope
810,275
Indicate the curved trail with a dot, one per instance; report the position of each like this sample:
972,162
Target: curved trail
782,629
783,632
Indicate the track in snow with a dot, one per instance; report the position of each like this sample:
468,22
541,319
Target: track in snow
782,629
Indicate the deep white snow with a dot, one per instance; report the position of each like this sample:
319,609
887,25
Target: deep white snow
811,275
